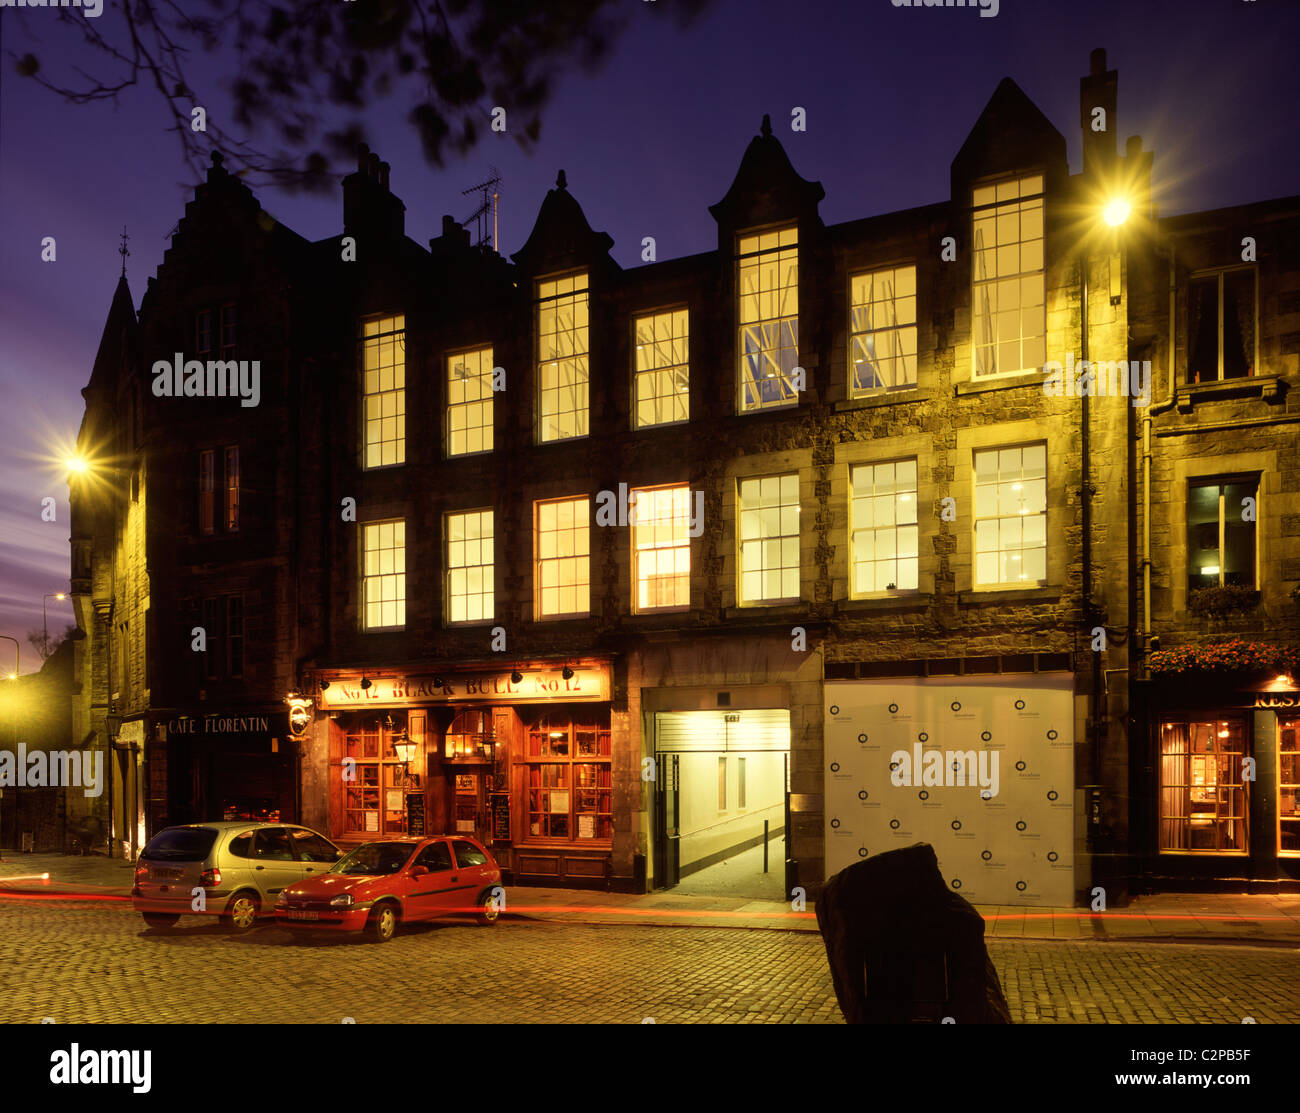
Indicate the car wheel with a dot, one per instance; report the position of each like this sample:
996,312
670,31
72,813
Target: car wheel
488,910
382,924
241,912
159,919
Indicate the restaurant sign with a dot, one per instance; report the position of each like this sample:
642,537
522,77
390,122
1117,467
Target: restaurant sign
537,686
1277,701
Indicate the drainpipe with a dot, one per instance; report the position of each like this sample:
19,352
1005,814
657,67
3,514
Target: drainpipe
1165,404
1085,494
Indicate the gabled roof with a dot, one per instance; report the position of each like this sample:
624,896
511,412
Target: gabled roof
1011,133
562,237
767,187
117,340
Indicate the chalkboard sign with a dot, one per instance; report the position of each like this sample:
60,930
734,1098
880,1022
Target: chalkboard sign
500,817
415,814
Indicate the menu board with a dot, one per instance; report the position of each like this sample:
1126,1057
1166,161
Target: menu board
415,814
500,817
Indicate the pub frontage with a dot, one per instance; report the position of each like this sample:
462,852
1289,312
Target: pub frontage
521,756
1217,786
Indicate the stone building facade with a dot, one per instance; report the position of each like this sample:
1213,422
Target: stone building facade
868,532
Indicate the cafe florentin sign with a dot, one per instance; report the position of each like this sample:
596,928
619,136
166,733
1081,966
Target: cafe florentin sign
537,686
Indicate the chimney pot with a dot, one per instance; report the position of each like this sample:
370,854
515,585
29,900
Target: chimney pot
448,225
383,174
1133,146
1097,60
363,153
372,166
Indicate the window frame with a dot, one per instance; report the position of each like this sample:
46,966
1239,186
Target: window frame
649,314
363,420
448,568
489,401
991,208
1253,479
684,543
540,390
738,258
1219,274
875,269
538,614
548,722
853,529
1008,585
364,600
1194,718
741,480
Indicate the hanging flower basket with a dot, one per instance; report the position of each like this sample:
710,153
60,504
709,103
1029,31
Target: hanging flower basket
1236,655
1222,600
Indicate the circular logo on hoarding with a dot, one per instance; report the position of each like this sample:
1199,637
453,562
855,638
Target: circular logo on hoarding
985,794
923,737
835,766
1051,736
893,709
862,737
862,852
1021,886
835,823
923,795
956,706
862,794
987,855
986,736
894,765
956,882
1053,795
1052,856
835,708
1021,824
956,824
1020,767
1020,705
894,824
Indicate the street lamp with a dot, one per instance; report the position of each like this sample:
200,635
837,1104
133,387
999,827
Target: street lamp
17,664
45,629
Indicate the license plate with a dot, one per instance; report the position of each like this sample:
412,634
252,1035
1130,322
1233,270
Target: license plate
166,873
295,915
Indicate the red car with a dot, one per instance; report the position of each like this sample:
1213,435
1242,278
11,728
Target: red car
381,884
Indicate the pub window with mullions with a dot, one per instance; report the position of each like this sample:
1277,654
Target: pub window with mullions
1203,792
375,802
568,779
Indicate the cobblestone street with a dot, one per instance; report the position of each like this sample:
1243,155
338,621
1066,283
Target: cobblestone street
88,962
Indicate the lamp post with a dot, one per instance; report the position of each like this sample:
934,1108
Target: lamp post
14,677
45,628
17,664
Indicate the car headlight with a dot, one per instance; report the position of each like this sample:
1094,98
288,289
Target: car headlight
284,898
343,900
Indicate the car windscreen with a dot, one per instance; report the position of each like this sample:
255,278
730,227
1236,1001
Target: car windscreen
374,859
181,844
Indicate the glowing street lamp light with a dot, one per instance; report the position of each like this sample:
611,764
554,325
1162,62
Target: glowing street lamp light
45,629
17,662
1116,212
76,465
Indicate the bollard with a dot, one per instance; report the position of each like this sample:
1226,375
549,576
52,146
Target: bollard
765,823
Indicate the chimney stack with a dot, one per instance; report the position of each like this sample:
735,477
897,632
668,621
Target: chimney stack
370,209
1097,114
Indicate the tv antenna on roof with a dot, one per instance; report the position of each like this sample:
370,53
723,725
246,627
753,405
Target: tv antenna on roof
491,190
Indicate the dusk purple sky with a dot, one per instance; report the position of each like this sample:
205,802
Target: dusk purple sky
648,143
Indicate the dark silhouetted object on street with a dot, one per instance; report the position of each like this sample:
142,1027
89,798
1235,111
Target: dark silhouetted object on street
903,948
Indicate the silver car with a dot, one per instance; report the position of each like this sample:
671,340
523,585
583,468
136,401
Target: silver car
234,870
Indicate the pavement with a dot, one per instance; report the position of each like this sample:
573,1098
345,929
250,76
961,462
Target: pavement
1252,919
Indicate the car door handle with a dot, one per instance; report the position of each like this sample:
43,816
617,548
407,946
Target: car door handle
259,867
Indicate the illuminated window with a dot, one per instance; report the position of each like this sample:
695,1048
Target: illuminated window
722,784
374,801
740,783
1288,786
1011,515
1007,287
662,368
469,402
384,576
562,545
1203,796
769,539
562,357
469,566
882,344
232,488
884,527
383,361
767,345
1220,541
661,547
569,787
1221,326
